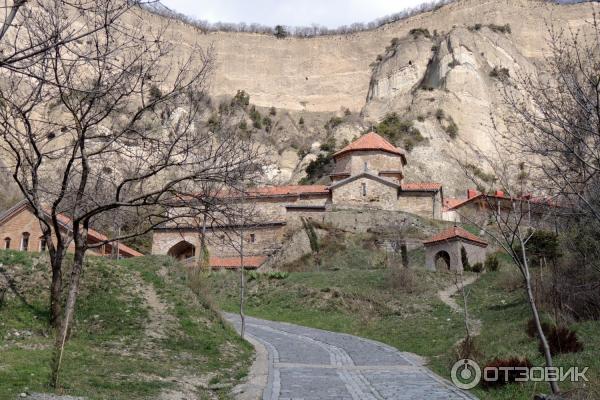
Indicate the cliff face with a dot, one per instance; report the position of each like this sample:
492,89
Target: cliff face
326,73
447,61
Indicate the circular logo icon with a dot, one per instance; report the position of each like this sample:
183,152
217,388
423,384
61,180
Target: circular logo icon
466,374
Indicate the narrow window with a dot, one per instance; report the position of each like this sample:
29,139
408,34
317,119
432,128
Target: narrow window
363,188
43,244
7,243
25,242
366,166
252,238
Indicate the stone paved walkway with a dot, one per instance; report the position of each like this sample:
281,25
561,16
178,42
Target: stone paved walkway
312,364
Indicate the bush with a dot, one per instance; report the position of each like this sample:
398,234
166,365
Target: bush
475,27
420,118
500,28
465,259
416,32
500,73
318,168
301,121
395,129
477,267
491,262
277,274
452,129
505,378
532,330
562,340
268,123
241,98
280,32
333,122
273,111
256,118
439,114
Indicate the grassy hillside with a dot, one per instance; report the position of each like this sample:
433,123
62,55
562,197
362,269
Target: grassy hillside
143,329
402,308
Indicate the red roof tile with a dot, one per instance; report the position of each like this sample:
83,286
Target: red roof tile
421,187
455,232
371,141
250,262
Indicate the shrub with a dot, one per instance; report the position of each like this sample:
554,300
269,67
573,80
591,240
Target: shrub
301,121
329,145
477,267
241,98
277,274
532,330
394,128
500,28
256,118
420,118
333,122
402,279
268,123
439,114
318,168
562,340
155,94
273,111
500,73
452,129
491,262
511,375
416,32
475,27
465,259
280,32
347,112
243,125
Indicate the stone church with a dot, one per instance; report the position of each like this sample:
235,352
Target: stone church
368,175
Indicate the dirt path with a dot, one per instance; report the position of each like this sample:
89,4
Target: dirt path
446,296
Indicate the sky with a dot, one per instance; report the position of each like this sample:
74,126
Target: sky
329,13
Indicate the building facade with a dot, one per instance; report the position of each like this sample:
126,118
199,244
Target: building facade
20,230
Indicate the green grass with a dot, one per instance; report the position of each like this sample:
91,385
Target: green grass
110,355
371,303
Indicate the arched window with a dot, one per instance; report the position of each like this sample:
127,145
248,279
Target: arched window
7,243
363,188
25,241
43,244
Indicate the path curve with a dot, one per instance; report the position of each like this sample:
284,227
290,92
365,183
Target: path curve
312,364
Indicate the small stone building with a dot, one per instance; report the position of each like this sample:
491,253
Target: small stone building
443,250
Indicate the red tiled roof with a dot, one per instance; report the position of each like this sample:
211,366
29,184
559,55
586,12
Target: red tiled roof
93,234
371,141
250,262
421,187
455,232
288,190
452,202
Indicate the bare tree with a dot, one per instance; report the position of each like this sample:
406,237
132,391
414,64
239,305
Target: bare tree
509,219
105,123
554,116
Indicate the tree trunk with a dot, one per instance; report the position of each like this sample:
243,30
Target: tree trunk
62,333
56,288
536,317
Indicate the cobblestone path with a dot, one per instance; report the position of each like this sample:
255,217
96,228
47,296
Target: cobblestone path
312,364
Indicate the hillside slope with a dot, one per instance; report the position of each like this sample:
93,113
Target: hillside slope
140,332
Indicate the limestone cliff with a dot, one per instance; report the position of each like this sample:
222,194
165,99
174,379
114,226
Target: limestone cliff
450,59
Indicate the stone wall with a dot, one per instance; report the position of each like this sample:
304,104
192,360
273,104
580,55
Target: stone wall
257,240
378,195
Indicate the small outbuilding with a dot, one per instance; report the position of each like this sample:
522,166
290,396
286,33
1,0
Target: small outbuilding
443,250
